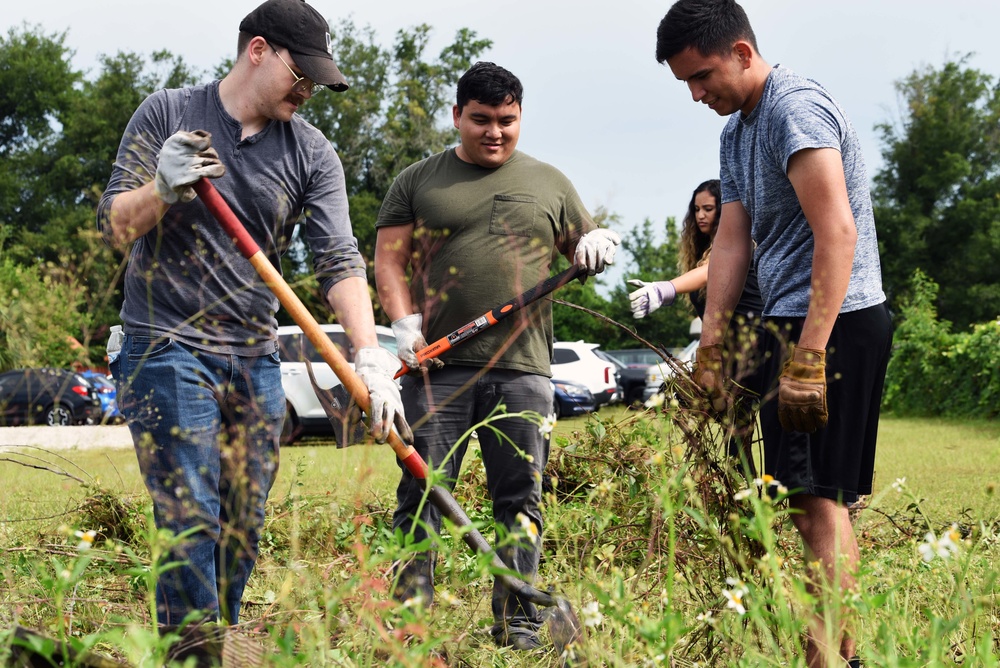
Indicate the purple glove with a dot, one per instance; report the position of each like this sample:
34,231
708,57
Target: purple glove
650,296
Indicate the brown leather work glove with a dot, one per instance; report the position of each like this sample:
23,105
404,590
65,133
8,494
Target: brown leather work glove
802,391
708,374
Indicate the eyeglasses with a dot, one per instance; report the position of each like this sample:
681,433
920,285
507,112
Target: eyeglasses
302,85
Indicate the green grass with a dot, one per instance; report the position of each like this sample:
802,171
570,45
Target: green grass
649,536
953,464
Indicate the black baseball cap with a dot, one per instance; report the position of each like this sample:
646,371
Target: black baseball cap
304,32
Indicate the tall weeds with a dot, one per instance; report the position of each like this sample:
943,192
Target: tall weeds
669,554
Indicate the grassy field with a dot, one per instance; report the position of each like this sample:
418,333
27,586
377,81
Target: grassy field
646,543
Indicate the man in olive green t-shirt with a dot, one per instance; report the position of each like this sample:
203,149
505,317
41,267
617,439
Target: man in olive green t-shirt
479,224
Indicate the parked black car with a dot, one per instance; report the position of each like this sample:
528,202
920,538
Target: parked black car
47,396
633,377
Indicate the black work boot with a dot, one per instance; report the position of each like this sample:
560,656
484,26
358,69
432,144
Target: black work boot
203,642
415,578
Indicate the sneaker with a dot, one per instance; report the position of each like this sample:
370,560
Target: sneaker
854,663
853,511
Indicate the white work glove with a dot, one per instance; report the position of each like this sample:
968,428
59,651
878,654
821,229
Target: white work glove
650,296
376,367
184,159
596,249
410,339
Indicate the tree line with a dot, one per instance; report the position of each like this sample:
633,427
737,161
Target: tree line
937,198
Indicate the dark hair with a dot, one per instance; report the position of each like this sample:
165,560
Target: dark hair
695,244
488,83
710,26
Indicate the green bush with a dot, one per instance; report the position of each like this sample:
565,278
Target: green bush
39,316
936,372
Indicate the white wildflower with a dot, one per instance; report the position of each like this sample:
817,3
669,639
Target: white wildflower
529,528
547,425
899,485
591,614
734,600
945,547
87,539
448,598
735,595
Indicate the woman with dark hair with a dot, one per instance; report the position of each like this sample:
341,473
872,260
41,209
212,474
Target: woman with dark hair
745,340
700,225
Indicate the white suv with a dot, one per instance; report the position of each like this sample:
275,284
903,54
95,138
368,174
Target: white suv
576,361
305,413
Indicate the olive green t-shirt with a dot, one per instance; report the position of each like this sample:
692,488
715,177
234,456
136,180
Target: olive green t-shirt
481,237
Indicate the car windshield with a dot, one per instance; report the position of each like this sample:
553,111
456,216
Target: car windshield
298,348
637,356
609,358
388,342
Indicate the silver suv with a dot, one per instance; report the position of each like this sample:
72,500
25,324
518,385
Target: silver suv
657,373
304,412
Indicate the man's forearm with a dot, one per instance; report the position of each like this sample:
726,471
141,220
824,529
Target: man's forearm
728,264
818,178
393,292
727,273
352,304
134,213
831,275
392,257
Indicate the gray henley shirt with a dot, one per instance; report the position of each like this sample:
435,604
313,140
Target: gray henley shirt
185,278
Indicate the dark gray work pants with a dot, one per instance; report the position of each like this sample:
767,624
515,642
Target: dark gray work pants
456,401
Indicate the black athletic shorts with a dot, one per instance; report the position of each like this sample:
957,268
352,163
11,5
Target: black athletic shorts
838,461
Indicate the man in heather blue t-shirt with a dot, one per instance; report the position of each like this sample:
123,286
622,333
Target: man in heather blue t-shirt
795,203
198,370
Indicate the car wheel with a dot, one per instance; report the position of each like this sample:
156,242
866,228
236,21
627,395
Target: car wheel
290,428
555,409
58,415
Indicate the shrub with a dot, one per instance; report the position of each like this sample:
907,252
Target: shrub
935,372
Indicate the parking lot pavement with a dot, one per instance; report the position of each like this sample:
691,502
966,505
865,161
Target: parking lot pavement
66,438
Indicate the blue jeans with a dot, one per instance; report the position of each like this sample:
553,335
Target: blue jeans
206,429
513,482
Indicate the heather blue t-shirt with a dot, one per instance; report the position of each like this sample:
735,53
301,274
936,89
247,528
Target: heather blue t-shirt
185,278
795,113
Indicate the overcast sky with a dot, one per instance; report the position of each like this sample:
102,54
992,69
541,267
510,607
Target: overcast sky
596,105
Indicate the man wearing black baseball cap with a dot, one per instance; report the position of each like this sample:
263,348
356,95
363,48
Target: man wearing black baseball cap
198,371
304,32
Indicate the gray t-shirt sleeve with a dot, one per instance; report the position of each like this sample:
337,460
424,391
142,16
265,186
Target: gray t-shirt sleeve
727,183
803,119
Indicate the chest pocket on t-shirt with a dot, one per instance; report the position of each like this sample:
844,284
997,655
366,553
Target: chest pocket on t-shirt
513,215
